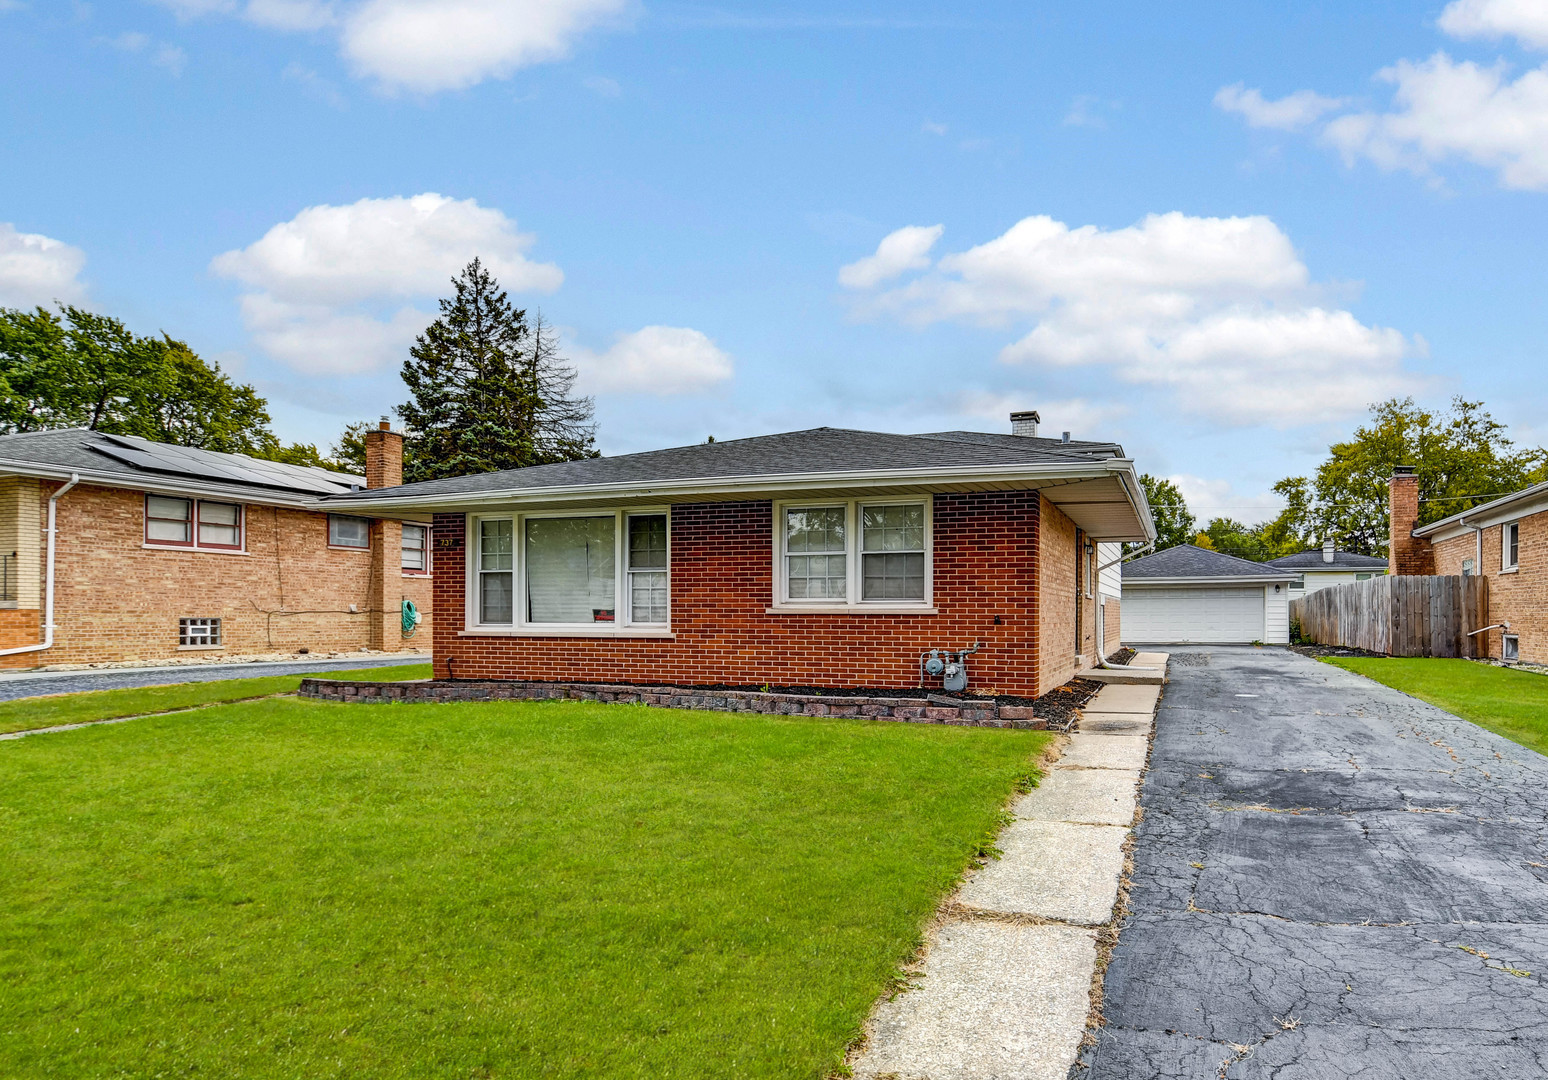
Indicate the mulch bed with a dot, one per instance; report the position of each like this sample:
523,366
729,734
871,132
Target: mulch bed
1122,656
1333,650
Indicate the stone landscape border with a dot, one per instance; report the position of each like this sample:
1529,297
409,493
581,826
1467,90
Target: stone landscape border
934,710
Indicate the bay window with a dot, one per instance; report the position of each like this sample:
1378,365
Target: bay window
595,572
853,554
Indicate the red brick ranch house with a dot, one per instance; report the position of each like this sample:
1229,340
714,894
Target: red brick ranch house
1505,541
827,558
115,548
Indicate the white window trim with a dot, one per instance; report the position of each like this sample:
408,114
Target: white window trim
623,626
782,603
429,565
1505,527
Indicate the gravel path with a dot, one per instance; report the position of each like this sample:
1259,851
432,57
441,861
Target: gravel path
1330,879
69,682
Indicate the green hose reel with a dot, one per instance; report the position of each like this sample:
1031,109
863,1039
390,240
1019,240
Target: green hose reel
410,617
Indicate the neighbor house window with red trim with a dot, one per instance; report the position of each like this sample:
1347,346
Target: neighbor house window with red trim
220,525
416,549
168,521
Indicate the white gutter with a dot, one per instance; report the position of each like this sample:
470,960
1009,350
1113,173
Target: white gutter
48,577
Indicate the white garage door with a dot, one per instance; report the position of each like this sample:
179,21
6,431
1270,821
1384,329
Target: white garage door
1193,614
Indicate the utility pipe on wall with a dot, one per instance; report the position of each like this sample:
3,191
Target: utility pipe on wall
48,576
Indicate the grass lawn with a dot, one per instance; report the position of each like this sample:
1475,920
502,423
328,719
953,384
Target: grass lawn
289,888
1512,703
25,714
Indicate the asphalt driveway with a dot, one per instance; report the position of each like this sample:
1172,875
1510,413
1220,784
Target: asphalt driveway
1331,879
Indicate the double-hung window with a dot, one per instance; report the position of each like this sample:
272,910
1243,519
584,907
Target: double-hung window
597,572
416,549
192,523
1510,545
853,554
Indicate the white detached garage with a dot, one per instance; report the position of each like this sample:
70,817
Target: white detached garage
1192,594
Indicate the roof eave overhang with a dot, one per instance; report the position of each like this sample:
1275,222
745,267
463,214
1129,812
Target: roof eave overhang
1527,501
1254,579
708,489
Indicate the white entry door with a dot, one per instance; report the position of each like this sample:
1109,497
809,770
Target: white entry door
1193,613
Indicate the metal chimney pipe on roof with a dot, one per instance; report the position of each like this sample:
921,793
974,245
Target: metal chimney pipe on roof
1025,422
1066,437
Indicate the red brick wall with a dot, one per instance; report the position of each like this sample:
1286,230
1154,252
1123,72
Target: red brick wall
118,600
1521,598
986,549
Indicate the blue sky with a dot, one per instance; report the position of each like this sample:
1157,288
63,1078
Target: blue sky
1238,223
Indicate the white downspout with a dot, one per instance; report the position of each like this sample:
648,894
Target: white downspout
48,576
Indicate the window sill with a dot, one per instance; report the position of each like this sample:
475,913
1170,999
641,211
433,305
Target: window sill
1511,569
418,574
571,632
847,609
343,547
200,550
200,648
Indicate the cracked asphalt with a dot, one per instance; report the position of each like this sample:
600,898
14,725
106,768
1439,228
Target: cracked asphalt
1331,879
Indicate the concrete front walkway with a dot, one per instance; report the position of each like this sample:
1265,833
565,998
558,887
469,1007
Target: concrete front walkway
1331,879
1005,987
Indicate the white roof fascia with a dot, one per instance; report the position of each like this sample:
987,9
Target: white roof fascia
1253,579
1527,501
1122,468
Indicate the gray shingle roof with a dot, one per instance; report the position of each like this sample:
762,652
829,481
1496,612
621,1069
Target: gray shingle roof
1342,560
1188,561
140,460
818,450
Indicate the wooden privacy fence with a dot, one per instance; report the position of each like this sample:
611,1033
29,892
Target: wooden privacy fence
1398,615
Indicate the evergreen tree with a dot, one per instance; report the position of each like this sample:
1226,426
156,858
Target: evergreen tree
488,391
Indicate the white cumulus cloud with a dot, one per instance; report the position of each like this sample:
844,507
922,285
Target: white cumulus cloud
36,269
425,46
1525,20
654,360
1220,310
1289,113
332,289
900,251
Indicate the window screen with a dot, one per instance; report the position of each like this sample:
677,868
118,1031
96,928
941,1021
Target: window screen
816,566
1512,544
570,569
198,631
220,524
648,568
415,548
496,559
168,521
350,532
892,558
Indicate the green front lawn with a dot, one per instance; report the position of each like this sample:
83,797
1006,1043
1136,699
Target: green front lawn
28,714
289,888
1512,703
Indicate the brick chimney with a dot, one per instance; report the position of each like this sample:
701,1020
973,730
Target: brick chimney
1329,549
384,468
1025,423
1406,554
384,456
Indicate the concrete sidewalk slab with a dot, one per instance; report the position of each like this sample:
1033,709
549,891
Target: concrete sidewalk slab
998,1001
1097,750
1052,870
1082,797
1115,724
1126,699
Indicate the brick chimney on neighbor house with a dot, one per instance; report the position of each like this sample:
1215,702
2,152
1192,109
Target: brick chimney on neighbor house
384,468
1025,423
384,456
1406,553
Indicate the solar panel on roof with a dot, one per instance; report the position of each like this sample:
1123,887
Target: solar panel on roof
233,468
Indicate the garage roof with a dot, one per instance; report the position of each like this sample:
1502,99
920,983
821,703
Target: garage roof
1189,563
1342,561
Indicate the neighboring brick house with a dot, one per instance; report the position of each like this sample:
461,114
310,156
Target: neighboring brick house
827,558
162,551
1505,541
